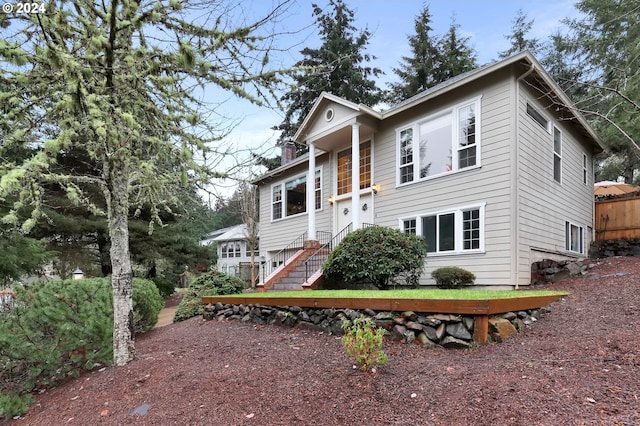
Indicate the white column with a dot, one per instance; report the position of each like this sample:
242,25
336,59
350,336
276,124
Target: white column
355,175
311,193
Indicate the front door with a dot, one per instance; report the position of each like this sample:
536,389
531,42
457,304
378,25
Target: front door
344,214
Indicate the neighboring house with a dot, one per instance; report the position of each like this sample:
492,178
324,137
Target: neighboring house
233,249
493,167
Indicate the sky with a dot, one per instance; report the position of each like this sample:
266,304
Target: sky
391,22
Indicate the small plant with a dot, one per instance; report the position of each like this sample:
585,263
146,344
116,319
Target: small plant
362,341
452,277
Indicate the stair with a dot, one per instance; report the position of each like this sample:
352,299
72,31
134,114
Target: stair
291,276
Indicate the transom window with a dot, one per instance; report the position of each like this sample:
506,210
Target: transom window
537,116
345,168
457,230
289,198
444,143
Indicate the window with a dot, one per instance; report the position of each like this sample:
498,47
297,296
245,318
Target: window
296,195
345,169
574,238
446,142
236,251
557,155
584,169
318,190
457,230
293,200
276,202
537,116
223,250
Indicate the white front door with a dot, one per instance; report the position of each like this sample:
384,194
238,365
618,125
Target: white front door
344,214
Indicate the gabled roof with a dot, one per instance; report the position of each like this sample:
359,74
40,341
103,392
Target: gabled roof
238,232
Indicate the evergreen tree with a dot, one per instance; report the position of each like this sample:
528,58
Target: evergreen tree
338,66
457,56
606,46
518,38
115,79
423,69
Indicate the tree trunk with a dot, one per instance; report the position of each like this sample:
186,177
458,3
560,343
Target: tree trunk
122,273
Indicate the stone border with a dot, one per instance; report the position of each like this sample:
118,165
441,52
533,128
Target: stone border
428,329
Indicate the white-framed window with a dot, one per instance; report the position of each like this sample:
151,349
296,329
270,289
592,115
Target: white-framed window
223,250
344,169
585,174
574,237
537,116
452,231
557,155
445,142
318,189
289,197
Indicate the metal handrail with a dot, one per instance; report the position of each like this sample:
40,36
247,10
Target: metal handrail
315,261
281,257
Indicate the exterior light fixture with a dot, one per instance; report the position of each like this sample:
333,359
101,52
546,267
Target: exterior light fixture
375,188
332,200
78,274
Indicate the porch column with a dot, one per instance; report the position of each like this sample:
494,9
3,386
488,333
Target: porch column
311,194
355,175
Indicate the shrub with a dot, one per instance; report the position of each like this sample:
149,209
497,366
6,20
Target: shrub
362,341
147,304
165,286
57,329
452,277
377,255
208,284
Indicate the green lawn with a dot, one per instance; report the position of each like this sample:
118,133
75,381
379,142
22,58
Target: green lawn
407,294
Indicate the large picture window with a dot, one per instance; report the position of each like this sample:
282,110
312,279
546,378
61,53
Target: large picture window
457,230
345,169
446,142
289,198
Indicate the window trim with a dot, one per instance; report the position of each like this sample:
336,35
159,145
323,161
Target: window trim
568,240
557,155
454,112
537,116
283,194
458,228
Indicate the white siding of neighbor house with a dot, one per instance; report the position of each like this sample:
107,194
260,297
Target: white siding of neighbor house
277,234
545,205
490,183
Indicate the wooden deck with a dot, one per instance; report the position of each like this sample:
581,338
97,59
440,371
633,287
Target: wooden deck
480,309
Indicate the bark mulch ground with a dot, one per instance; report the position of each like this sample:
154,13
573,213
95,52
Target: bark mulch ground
578,365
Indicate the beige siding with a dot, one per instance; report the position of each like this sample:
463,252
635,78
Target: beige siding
277,234
545,204
488,184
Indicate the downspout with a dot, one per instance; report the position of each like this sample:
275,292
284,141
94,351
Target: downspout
516,182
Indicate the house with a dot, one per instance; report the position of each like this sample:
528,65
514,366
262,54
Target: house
493,167
233,249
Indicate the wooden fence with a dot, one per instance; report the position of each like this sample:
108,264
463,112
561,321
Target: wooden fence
617,218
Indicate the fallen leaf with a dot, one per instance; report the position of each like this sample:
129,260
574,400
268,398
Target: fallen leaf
250,416
591,400
104,413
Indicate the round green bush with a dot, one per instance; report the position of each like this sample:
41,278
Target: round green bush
208,284
452,277
165,286
147,304
377,256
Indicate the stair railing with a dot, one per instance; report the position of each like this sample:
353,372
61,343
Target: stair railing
282,256
315,261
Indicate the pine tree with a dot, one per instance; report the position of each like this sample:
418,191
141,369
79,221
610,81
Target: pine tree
119,81
606,46
421,70
457,56
518,37
338,66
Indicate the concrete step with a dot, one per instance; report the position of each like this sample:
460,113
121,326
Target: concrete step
286,287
